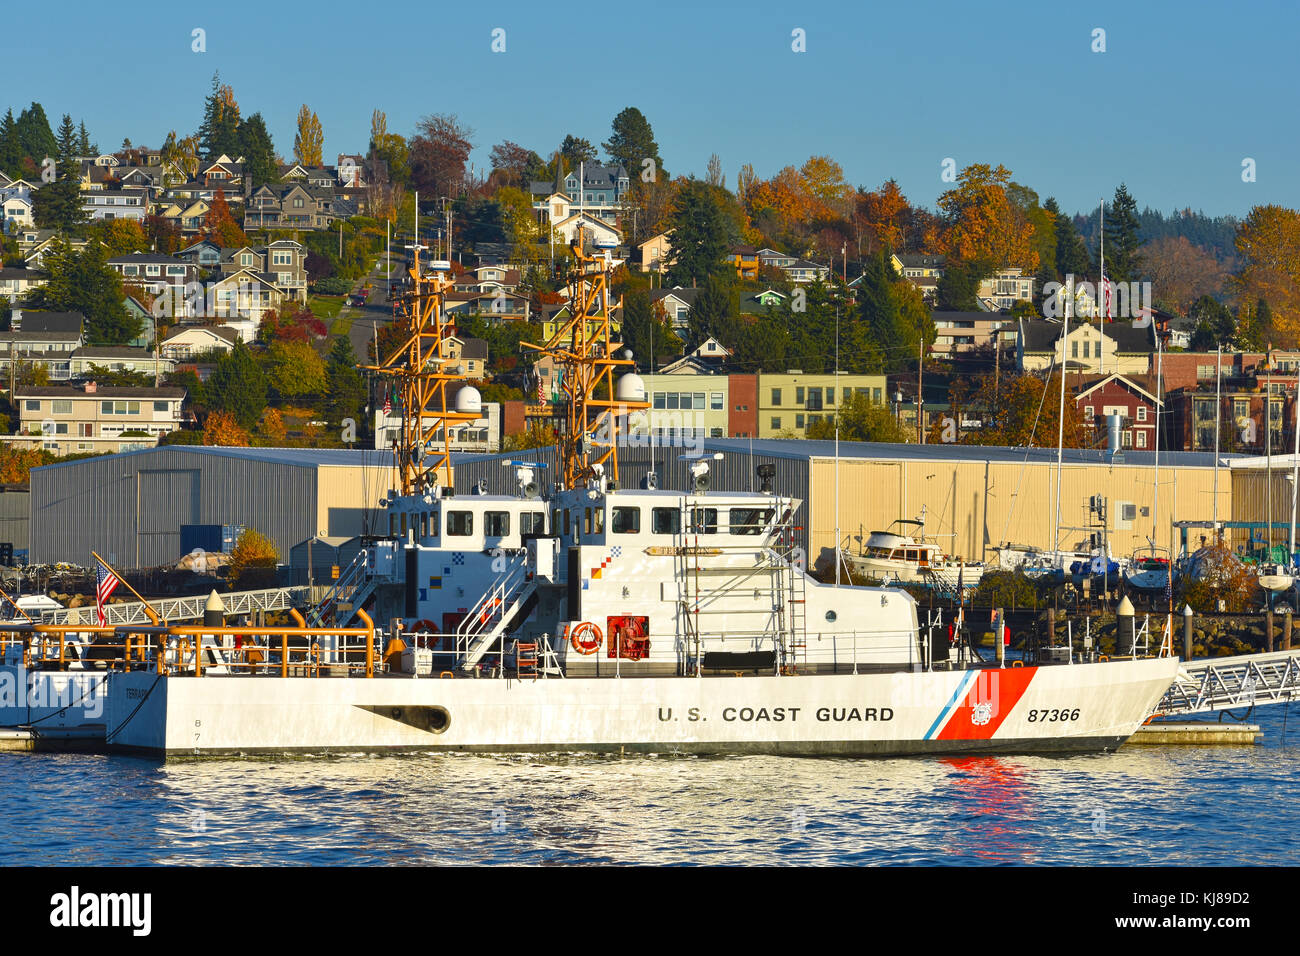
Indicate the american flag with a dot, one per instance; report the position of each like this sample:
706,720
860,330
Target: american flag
388,402
105,585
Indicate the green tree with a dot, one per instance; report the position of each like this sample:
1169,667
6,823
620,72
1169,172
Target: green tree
81,281
219,132
260,166
11,151
35,138
712,314
642,323
67,139
879,312
237,386
956,291
1123,240
294,370
1214,324
701,233
1071,253
84,145
345,390
633,142
576,150
58,205
860,419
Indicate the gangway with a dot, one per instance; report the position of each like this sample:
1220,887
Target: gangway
1226,683
495,612
352,588
183,608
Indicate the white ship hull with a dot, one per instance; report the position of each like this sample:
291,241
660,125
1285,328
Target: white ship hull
1084,707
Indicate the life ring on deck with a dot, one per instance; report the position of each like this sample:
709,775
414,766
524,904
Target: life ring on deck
424,625
588,646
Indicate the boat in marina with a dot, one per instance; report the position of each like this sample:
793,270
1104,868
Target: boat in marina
576,614
896,557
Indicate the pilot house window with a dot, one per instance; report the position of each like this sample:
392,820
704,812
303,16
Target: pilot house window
665,520
626,521
460,523
496,524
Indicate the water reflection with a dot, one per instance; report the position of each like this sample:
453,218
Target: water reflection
1140,806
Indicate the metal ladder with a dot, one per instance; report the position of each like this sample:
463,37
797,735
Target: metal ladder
346,586
487,619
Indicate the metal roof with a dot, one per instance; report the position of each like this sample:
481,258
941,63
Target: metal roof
298,457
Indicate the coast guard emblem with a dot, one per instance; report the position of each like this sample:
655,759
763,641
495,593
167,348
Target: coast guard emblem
981,714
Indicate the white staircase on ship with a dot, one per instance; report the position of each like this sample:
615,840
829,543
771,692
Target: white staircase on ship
494,612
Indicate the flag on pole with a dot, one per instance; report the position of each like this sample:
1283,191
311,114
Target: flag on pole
105,584
388,402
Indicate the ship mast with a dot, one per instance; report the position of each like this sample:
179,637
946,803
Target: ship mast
420,369
589,404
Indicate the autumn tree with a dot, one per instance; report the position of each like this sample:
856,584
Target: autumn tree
221,428
885,213
120,237
1180,272
295,370
253,560
515,165
1024,410
273,426
309,142
220,226
1268,244
438,154
859,419
981,222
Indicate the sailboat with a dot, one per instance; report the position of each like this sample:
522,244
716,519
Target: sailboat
1273,574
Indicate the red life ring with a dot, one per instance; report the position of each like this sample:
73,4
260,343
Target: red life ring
589,646
424,625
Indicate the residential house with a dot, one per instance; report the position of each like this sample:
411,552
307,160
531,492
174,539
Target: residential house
469,354
205,254
676,303
72,418
593,228
1002,290
155,273
481,435
289,206
186,342
921,269
118,359
600,193
51,351
656,253
744,259
969,331
148,324
1119,395
709,357
34,254
124,203
762,302
1043,344
36,321
15,213
225,172
771,258
791,401
15,284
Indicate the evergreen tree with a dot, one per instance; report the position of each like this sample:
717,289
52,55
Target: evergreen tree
1123,242
11,153
1071,253
632,142
712,314
700,234
878,310
84,147
641,326
219,132
576,150
35,137
238,386
81,281
260,166
345,390
67,139
58,205
956,291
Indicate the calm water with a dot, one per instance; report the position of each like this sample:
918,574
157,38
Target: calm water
1148,805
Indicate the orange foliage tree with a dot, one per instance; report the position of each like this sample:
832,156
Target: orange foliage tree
983,225
220,225
16,464
222,429
1022,410
1268,242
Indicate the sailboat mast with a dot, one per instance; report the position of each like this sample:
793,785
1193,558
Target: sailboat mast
1060,423
1218,400
1295,474
1155,496
1102,291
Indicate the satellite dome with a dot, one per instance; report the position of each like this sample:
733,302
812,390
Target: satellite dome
630,388
469,401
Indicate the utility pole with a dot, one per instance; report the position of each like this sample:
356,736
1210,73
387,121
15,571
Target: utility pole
920,394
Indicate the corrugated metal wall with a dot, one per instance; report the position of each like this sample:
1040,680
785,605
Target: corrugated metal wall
14,517
735,472
973,506
130,507
1250,502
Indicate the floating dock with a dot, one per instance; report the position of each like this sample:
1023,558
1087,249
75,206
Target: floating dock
1196,733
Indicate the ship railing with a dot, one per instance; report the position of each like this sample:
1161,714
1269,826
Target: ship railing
453,651
849,649
196,650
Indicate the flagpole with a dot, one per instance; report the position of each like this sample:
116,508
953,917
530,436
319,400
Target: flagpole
148,608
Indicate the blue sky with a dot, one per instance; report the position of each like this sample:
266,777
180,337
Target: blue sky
1183,93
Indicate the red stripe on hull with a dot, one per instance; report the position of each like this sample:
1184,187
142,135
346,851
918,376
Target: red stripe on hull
989,701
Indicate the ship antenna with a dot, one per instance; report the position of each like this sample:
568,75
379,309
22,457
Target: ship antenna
422,372
583,349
